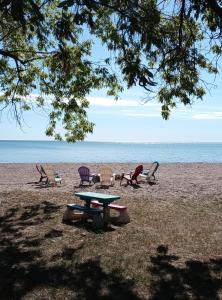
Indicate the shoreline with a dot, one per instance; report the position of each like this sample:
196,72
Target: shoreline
121,142
110,163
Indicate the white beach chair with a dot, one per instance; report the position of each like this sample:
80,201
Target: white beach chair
149,175
106,176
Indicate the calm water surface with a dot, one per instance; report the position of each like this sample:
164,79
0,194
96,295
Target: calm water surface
83,152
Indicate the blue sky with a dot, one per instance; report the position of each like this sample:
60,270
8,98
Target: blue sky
127,120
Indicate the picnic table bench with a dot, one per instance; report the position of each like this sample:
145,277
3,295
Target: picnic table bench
123,217
98,199
88,212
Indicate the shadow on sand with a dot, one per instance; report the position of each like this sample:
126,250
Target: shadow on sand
25,271
197,280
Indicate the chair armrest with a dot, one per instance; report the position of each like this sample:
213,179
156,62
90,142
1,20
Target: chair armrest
93,175
145,172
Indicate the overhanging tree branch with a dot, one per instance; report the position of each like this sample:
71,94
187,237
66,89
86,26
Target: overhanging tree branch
213,4
46,52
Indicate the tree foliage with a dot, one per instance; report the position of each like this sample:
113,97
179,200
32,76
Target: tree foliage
162,46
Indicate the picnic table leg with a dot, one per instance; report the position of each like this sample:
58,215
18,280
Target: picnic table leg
87,204
106,214
97,221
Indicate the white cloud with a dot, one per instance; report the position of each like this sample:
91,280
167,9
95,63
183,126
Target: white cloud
103,101
142,114
96,101
183,110
208,116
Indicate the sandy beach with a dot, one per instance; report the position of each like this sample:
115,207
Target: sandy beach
175,182
181,212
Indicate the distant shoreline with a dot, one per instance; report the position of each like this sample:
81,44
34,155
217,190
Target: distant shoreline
119,142
98,164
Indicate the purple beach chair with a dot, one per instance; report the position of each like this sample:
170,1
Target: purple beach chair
85,175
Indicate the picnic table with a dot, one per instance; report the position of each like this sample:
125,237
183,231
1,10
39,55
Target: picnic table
105,199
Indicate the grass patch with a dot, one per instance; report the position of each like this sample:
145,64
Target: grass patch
170,250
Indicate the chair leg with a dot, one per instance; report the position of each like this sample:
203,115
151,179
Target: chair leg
41,178
122,177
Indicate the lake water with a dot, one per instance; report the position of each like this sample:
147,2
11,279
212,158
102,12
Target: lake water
91,152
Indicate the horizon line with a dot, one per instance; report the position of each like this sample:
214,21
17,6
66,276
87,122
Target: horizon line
119,142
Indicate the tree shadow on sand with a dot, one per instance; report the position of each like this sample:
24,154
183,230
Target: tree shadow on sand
197,280
83,281
25,271
14,221
87,226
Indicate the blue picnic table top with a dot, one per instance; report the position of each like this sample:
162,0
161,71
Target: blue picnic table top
103,198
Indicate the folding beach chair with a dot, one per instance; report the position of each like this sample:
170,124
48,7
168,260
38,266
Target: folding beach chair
52,178
106,176
132,176
41,171
149,175
85,175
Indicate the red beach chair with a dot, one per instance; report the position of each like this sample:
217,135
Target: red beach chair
132,176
